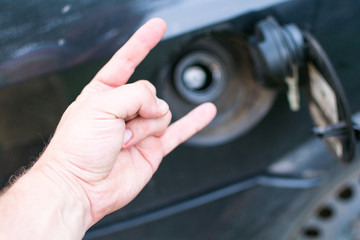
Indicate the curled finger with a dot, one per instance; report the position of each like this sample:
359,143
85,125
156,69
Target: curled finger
140,128
129,101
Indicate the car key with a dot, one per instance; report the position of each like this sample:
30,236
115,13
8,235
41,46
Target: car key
293,94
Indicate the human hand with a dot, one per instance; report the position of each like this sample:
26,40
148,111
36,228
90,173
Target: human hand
111,140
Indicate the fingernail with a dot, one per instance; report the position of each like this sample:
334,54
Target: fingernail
127,136
162,104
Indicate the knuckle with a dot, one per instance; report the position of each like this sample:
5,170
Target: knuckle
94,100
168,117
148,85
141,87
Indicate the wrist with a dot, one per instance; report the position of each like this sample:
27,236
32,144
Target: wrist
67,189
44,203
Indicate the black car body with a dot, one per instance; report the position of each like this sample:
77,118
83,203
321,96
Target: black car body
256,173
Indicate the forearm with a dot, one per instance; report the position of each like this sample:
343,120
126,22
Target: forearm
42,205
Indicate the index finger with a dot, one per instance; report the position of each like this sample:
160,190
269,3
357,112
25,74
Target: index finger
122,65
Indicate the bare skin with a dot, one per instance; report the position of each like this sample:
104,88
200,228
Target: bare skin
107,146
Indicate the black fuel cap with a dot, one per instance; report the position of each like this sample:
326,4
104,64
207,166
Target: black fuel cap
277,51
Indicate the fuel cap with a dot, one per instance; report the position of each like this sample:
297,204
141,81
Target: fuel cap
288,58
